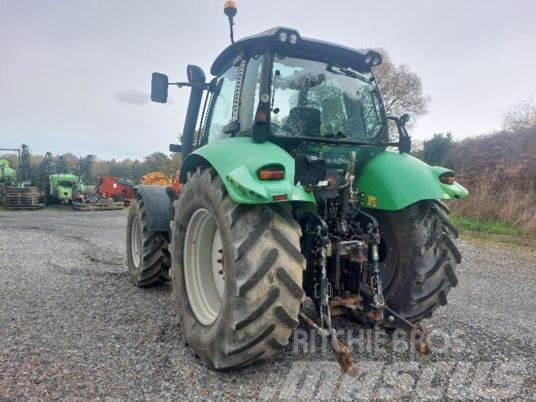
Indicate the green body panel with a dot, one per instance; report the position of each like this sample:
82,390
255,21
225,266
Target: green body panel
388,180
7,174
61,185
391,180
237,161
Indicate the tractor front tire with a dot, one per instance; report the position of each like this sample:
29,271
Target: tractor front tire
423,267
249,313
147,251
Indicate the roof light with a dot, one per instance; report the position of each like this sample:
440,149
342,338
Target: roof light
373,58
283,36
293,38
230,8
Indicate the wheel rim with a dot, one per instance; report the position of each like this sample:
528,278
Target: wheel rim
135,242
204,266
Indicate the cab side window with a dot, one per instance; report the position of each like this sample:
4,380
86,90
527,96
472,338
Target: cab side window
250,92
222,104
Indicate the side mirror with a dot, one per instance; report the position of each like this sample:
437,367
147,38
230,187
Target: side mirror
175,148
404,145
159,88
404,140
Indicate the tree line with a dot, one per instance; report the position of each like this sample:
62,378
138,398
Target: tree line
90,167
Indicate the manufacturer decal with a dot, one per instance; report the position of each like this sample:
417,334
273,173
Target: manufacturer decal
372,201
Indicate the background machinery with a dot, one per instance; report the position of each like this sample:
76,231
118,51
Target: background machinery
64,188
16,191
119,189
8,175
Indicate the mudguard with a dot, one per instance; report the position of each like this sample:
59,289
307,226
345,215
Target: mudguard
388,180
157,205
392,181
237,160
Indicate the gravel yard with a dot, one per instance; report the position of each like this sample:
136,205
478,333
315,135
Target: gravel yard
72,326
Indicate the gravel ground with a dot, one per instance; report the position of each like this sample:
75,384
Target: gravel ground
72,326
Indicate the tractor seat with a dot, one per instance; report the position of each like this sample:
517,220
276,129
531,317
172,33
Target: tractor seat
303,121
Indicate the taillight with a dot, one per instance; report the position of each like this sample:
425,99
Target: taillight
447,178
271,173
279,197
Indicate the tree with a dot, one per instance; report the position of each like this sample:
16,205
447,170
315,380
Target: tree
174,163
86,167
401,88
435,150
156,162
521,116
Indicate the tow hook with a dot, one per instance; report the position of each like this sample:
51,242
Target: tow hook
416,333
342,353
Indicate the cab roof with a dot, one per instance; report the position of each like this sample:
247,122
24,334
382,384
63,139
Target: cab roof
306,46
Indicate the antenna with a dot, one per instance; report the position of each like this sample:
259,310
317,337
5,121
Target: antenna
230,10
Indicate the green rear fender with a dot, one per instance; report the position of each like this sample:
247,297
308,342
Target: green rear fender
388,180
237,160
392,181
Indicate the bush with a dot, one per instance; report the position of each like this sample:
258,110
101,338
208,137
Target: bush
500,172
435,150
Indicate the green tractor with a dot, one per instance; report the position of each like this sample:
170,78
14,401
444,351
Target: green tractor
8,175
62,186
291,188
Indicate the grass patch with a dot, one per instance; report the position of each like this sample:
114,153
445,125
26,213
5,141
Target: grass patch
489,226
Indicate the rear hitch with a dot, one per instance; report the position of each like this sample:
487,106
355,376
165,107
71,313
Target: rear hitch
319,229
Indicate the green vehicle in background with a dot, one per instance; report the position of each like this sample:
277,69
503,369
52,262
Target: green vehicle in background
289,188
8,176
61,186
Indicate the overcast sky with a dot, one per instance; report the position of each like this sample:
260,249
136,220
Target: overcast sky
75,75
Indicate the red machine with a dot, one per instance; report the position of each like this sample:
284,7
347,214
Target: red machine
116,188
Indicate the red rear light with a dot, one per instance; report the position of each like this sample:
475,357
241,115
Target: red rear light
279,197
447,178
271,173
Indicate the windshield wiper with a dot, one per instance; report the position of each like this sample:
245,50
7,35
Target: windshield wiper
338,134
348,73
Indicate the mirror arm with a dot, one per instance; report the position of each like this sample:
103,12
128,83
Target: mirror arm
191,85
404,140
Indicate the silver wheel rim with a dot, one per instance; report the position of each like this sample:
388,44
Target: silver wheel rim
203,266
135,242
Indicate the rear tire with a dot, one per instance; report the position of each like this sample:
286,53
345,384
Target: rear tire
147,252
263,270
425,261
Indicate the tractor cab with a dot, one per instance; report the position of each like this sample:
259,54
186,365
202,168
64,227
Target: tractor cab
281,87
